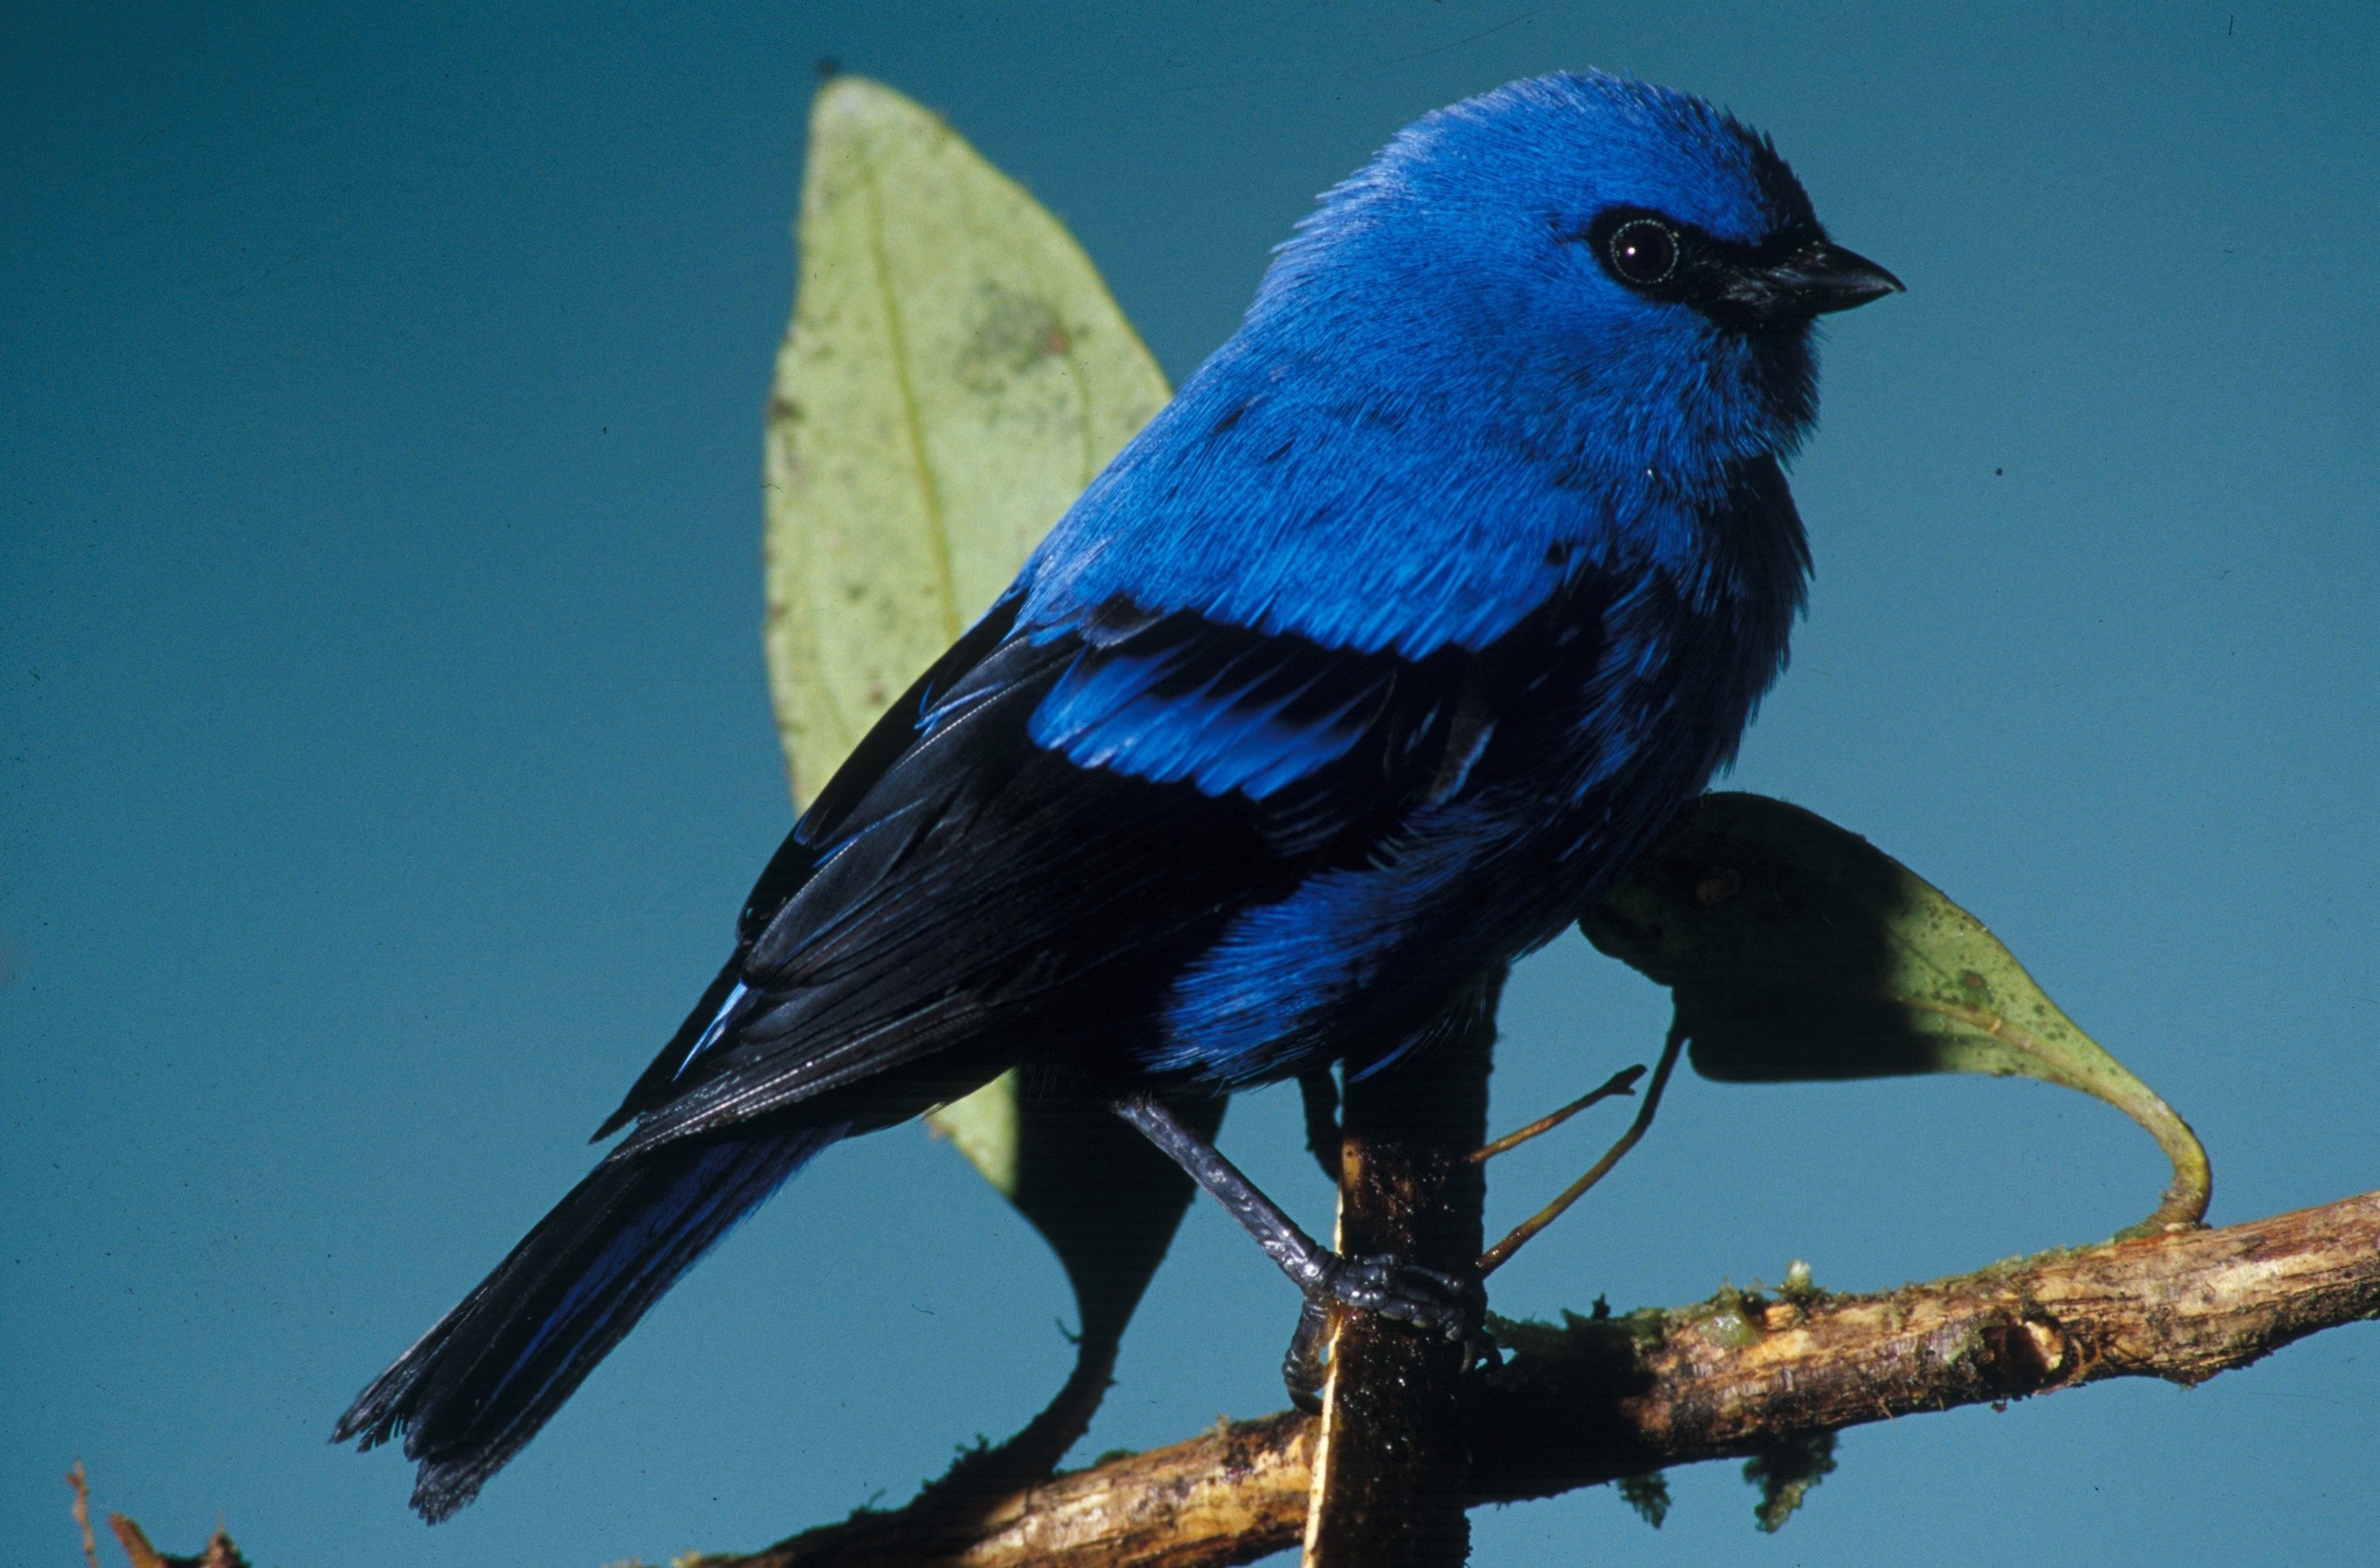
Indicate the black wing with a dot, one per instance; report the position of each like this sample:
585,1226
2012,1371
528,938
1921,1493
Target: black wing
1067,812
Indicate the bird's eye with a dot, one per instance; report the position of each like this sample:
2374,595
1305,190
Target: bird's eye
1644,251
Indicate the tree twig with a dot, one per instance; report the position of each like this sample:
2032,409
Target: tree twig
1519,1236
1599,1399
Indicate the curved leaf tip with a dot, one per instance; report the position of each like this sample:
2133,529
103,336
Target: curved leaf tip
1798,950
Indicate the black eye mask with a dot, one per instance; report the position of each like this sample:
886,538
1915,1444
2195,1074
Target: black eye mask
1786,278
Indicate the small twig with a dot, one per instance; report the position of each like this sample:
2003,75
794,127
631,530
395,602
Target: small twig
1619,1083
82,1514
134,1543
1502,1253
220,1552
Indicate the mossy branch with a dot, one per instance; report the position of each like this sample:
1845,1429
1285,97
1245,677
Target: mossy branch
1597,1400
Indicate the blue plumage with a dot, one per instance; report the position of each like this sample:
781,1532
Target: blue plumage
1363,668
1439,388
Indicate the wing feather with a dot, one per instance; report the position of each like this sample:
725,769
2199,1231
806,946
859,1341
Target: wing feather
1055,809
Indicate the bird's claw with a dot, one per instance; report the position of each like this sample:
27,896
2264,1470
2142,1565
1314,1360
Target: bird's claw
1444,1305
1433,1300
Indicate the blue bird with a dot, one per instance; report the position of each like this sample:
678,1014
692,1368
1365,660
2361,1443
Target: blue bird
1365,669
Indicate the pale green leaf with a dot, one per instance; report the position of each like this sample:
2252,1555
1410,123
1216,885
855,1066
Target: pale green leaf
1797,950
956,373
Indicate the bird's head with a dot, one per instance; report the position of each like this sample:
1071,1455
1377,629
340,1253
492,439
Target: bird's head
1594,263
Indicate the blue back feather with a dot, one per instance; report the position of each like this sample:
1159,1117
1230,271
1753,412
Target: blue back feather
1439,413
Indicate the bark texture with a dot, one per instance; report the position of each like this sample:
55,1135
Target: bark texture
1392,1447
1596,1400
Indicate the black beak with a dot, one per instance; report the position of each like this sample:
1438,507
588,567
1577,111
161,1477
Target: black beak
1819,277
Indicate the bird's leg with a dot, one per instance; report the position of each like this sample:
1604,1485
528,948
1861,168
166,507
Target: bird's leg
1431,1300
1498,1255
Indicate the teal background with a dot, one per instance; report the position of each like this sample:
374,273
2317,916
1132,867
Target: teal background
386,743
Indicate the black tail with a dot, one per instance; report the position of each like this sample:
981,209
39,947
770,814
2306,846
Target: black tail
478,1386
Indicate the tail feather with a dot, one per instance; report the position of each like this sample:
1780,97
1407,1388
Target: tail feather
480,1383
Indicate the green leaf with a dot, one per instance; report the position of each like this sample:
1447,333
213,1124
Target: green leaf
1107,1203
1084,1177
955,374
1796,951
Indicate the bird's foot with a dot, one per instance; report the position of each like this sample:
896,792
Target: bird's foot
1441,1304
1433,1300
1451,1306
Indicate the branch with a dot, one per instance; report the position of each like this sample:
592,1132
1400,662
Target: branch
1391,1449
1600,1399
